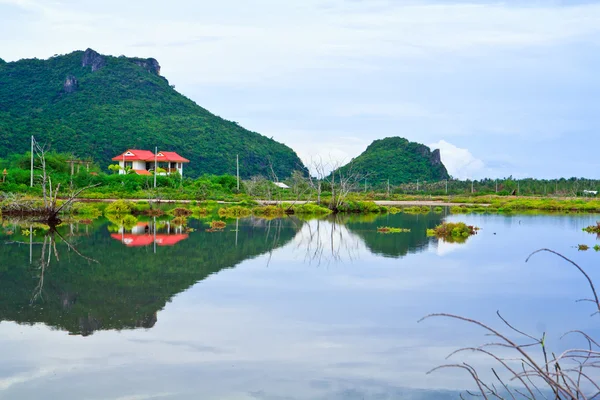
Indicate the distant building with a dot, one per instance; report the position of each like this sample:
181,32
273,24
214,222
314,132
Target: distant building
142,162
281,185
590,192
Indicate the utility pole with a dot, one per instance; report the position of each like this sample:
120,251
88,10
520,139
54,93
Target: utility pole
388,194
446,186
31,178
155,164
237,164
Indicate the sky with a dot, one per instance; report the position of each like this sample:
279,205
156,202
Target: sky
501,87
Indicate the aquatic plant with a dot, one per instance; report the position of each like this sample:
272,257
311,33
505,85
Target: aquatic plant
89,211
179,221
310,208
417,210
217,225
388,229
126,221
154,212
394,210
269,211
118,207
597,247
583,247
453,231
524,366
438,210
181,212
363,207
593,228
234,212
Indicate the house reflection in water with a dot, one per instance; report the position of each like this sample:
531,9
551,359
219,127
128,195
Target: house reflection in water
147,233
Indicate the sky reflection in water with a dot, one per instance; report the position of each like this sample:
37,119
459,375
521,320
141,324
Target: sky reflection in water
311,310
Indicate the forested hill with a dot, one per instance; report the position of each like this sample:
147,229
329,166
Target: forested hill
98,106
398,160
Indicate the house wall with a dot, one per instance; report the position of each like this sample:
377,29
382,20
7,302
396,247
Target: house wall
134,165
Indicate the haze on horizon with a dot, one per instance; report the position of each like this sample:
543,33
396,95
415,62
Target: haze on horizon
503,88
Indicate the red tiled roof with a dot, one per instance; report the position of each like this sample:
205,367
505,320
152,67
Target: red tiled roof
142,172
146,155
170,240
171,156
131,240
138,155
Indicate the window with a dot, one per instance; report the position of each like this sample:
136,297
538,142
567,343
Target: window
128,164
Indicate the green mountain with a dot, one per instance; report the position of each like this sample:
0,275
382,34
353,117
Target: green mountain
97,106
398,160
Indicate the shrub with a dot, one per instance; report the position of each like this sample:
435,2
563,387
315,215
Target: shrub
453,231
118,207
310,208
268,211
234,212
181,212
217,225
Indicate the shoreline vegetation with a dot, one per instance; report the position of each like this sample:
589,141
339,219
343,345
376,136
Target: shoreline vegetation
338,192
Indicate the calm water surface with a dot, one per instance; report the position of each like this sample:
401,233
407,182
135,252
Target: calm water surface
280,309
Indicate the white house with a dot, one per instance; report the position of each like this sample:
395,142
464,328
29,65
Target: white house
142,162
281,185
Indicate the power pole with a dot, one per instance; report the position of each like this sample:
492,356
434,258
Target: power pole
155,166
31,178
237,163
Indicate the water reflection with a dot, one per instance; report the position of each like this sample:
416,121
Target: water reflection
320,309
125,286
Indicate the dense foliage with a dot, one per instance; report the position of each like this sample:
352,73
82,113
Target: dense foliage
124,105
398,160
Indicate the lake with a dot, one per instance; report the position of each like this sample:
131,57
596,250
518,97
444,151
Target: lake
277,309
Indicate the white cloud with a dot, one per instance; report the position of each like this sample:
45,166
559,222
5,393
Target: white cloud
460,163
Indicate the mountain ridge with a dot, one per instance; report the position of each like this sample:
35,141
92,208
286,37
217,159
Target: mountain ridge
399,160
97,106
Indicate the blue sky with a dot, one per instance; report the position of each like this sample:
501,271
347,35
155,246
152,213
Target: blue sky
502,87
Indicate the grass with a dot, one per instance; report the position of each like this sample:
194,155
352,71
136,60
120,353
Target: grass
234,212
457,232
417,210
388,229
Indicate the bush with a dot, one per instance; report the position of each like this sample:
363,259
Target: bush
311,208
269,211
118,207
234,212
453,231
181,212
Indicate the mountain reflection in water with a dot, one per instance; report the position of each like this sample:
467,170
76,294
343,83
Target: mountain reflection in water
317,309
